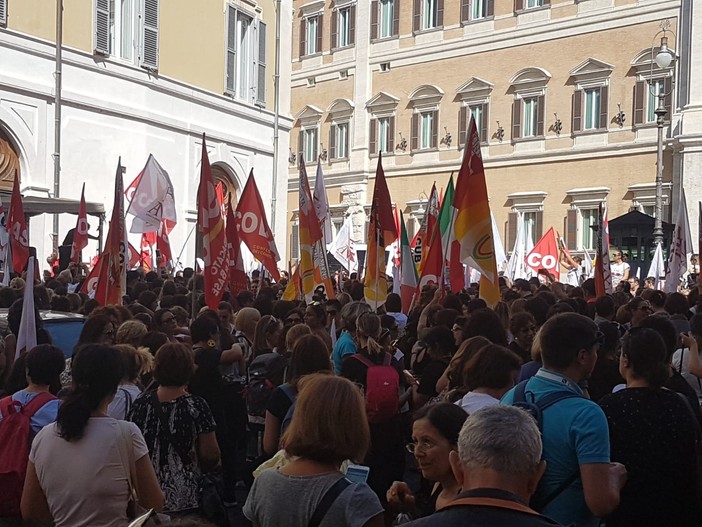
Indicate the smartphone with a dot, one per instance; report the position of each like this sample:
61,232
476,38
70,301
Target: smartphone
357,473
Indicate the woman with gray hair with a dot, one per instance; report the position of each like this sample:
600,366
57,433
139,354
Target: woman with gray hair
498,465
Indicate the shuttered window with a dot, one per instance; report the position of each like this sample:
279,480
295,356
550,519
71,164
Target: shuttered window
102,27
246,57
261,65
149,35
339,141
3,12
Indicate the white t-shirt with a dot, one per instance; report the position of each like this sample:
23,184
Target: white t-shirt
474,401
617,270
85,481
685,370
124,398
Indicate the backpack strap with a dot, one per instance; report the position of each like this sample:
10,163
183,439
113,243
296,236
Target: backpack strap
127,401
288,391
519,395
491,502
8,406
387,359
554,398
363,359
327,501
36,404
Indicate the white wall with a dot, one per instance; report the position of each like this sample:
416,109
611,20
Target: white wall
112,109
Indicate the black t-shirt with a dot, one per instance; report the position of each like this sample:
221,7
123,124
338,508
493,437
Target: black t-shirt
652,433
523,354
431,373
279,404
604,378
677,383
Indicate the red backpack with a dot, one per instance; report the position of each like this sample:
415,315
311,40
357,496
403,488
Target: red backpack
382,389
15,438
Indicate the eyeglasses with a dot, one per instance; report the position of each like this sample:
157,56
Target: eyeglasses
293,320
419,445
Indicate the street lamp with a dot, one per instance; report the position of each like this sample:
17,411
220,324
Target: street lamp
664,59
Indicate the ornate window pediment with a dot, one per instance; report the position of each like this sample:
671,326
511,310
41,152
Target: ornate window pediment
474,87
529,78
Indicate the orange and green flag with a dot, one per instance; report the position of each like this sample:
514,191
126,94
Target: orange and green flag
473,226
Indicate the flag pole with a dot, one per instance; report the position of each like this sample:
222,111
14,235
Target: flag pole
177,261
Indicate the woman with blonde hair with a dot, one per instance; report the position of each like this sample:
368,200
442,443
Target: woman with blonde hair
293,334
329,426
131,332
136,361
386,457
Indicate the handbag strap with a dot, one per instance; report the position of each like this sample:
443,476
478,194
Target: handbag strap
166,429
327,501
126,455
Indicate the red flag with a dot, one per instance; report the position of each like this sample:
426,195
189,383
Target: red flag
133,257
381,233
211,224
80,234
237,275
433,266
113,266
91,281
545,255
163,244
254,230
145,257
17,227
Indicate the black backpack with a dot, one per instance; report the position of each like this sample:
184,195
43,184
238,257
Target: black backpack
536,409
265,373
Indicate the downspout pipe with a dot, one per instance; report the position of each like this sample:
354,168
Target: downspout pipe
57,117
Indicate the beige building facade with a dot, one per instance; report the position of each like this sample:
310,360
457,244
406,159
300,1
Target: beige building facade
145,77
563,94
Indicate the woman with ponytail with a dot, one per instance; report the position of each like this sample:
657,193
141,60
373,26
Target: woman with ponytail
79,467
652,432
386,457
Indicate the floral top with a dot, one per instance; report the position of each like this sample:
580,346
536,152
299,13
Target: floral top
188,416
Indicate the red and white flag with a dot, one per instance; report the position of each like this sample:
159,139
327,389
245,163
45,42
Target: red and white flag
545,255
163,244
421,241
253,228
80,234
321,205
211,224
151,199
237,275
89,286
17,227
112,282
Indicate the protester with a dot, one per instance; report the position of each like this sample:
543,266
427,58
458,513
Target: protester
292,335
385,459
653,433
309,355
79,461
164,320
315,318
346,345
434,436
131,332
523,329
452,378
498,466
580,484
267,335
176,424
135,362
431,362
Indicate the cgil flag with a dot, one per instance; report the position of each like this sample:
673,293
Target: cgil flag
17,228
112,274
211,225
545,254
27,335
680,248
237,275
151,200
253,228
381,233
408,271
472,226
321,205
80,234
421,241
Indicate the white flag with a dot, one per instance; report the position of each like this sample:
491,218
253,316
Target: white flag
342,248
151,198
657,269
500,256
27,336
587,264
680,247
321,205
516,266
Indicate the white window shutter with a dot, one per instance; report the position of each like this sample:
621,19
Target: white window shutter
102,26
231,51
149,36
261,65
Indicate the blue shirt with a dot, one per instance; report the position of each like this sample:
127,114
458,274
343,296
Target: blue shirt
344,347
44,416
575,433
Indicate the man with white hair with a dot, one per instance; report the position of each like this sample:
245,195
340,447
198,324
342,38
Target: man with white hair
498,465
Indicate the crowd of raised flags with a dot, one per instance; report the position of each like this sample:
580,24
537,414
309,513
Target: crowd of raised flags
457,241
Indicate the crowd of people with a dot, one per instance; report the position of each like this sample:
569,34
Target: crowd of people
553,407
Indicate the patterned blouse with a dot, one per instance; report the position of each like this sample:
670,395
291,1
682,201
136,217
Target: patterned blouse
188,416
